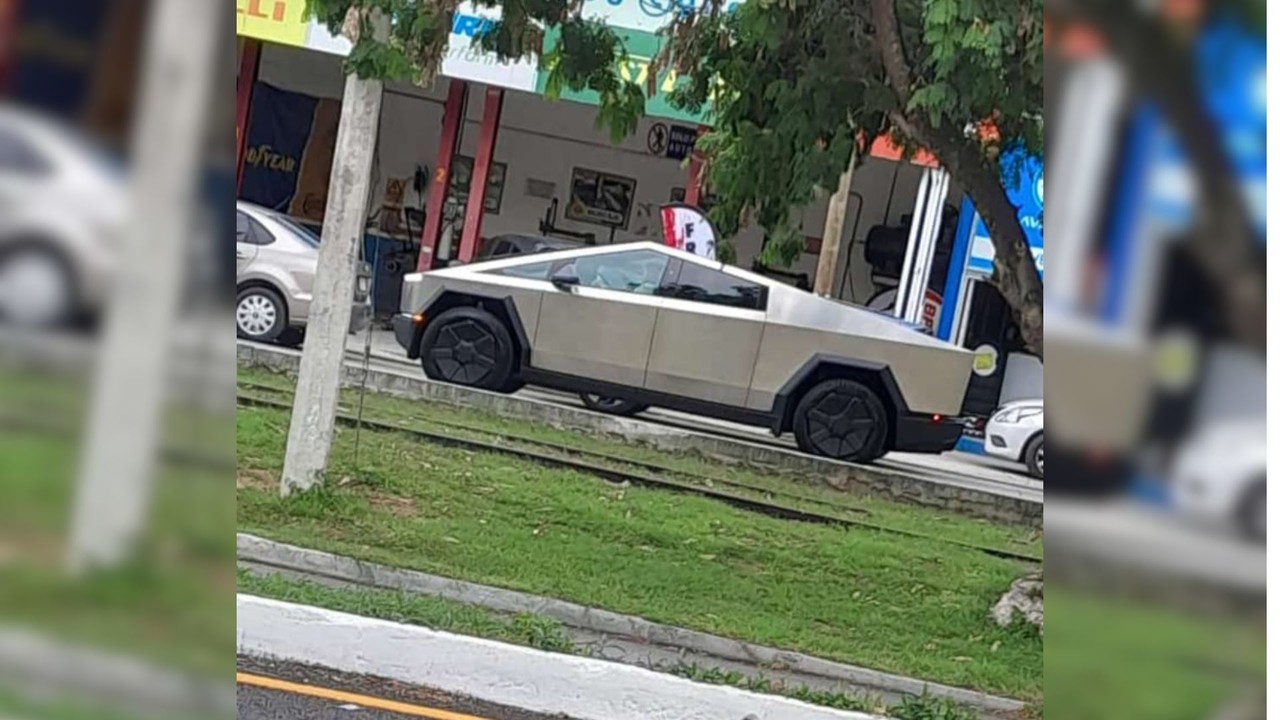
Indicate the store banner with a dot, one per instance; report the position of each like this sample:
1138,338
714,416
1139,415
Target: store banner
685,227
279,133
278,21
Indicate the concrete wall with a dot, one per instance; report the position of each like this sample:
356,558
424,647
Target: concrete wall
544,140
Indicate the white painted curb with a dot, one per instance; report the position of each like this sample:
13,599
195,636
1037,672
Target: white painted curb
583,688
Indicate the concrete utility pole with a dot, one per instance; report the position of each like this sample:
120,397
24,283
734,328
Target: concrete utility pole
829,257
315,402
123,431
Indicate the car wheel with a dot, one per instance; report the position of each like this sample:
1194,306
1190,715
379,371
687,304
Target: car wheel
1033,457
36,288
1251,514
612,405
260,314
468,346
841,419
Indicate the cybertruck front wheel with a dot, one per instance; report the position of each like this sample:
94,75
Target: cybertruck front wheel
469,346
843,420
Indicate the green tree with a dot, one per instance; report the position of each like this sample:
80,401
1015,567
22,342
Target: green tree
794,87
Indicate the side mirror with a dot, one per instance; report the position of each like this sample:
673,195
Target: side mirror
565,278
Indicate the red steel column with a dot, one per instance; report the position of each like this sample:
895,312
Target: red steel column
450,131
693,184
8,37
250,52
480,174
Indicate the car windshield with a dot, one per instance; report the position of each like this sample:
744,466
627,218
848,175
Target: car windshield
301,231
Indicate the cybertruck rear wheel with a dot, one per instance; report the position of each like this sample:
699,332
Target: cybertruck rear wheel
469,346
841,419
612,405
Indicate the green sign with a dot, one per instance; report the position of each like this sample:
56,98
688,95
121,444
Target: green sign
641,47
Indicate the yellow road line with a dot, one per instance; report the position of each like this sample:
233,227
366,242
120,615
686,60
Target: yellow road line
352,698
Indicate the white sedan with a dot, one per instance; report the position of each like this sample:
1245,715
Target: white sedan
1220,475
1016,432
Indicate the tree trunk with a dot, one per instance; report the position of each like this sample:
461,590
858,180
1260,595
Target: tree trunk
833,232
315,402
122,436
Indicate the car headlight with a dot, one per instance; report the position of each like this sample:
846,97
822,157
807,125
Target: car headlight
1018,414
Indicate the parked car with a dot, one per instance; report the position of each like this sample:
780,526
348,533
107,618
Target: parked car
653,325
63,204
276,262
1220,476
518,244
1016,432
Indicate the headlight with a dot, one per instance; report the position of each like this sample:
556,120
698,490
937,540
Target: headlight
1018,414
362,285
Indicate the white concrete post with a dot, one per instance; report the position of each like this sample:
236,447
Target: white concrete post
833,232
122,435
315,402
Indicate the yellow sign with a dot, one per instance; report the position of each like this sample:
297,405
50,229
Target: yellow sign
277,21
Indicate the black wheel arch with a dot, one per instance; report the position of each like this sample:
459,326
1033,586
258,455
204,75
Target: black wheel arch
503,308
875,375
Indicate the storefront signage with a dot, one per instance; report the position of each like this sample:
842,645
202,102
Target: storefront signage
680,142
648,16
1024,183
277,21
600,198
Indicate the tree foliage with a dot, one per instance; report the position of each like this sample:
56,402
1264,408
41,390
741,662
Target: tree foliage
794,87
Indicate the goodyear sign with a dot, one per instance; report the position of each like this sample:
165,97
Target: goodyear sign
277,21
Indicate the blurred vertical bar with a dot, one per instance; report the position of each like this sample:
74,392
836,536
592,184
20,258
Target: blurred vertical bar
250,53
8,31
121,440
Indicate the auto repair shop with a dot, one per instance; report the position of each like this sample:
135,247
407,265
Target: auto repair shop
484,132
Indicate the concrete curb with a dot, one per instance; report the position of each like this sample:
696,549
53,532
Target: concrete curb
38,664
861,479
796,669
583,688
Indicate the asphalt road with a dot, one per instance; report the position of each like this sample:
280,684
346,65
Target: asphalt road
286,691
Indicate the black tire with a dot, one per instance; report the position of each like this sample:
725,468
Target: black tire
841,419
1251,513
612,405
253,302
1033,457
292,337
469,346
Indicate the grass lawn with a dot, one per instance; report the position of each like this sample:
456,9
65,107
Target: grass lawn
905,605
1116,660
173,604
818,496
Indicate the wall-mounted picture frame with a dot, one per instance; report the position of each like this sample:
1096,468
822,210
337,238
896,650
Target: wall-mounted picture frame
600,198
460,183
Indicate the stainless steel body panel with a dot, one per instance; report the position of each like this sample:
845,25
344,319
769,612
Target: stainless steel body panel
704,351
595,334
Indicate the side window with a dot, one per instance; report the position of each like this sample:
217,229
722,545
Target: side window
259,235
705,285
242,228
500,248
18,157
634,271
536,271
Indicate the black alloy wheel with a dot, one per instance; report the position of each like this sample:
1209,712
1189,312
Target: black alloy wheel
612,405
468,346
841,419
